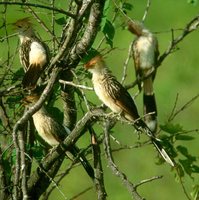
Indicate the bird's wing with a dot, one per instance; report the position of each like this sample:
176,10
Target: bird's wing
136,59
156,57
122,98
38,58
24,54
31,76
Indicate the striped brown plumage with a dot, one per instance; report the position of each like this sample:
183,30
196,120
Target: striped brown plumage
145,54
117,98
53,133
34,54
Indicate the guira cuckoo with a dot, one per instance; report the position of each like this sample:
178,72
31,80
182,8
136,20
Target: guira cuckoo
33,53
145,53
117,98
53,133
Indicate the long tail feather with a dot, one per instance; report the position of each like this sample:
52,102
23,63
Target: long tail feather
150,107
87,166
162,151
140,124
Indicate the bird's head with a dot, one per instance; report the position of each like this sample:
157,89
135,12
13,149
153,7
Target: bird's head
137,28
24,26
30,99
95,64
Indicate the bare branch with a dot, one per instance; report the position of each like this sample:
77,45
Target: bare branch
43,24
130,186
23,165
79,194
99,178
148,180
186,105
190,27
90,33
38,6
126,62
76,85
146,10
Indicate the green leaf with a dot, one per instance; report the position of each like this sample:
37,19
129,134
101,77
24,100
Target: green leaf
109,32
184,137
90,54
166,143
38,151
171,128
106,8
12,101
186,164
193,2
127,6
61,21
183,150
195,192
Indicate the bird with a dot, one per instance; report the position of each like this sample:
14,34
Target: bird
116,97
145,54
33,53
53,133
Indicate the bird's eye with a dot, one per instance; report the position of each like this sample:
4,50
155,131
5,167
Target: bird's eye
19,26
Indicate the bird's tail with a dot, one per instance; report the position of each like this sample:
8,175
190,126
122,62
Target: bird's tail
150,108
31,76
87,166
150,111
140,124
162,152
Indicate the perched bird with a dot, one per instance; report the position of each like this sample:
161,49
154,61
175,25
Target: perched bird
33,53
145,53
53,133
116,97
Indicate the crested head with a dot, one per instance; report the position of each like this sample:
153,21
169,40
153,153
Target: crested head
137,28
96,63
30,99
24,26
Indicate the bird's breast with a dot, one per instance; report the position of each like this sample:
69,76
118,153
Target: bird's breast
103,95
37,54
45,128
145,48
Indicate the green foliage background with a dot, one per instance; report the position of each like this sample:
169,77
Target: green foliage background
177,75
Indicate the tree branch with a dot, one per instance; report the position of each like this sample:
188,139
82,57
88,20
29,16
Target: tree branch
38,6
130,186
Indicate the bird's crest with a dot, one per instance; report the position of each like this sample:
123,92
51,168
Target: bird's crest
135,27
25,22
30,99
94,61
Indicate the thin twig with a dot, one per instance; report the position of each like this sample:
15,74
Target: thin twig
189,28
38,6
187,104
146,10
23,165
99,177
130,186
147,180
76,85
53,23
173,109
83,93
81,193
126,63
43,24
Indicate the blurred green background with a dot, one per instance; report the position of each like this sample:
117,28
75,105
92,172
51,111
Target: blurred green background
178,74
